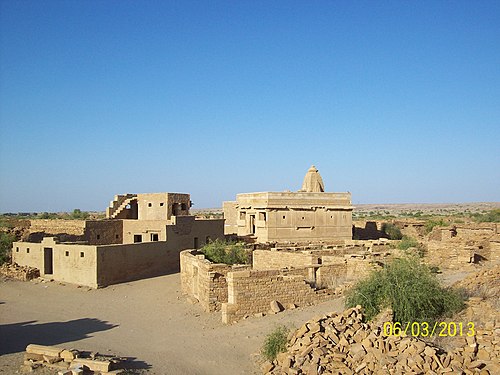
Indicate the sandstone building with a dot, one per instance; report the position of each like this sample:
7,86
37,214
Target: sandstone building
141,237
310,214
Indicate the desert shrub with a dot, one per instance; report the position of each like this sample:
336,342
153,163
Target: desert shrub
409,288
219,251
6,240
492,216
78,214
392,231
275,343
408,242
430,224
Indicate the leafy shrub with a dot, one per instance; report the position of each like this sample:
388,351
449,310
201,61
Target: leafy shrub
392,231
219,251
78,214
492,216
407,242
275,343
409,288
430,224
6,240
410,242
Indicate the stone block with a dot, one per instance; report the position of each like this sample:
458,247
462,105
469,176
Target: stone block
94,365
276,307
51,351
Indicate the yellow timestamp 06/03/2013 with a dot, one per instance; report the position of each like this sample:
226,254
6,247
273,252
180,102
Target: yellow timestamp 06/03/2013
425,329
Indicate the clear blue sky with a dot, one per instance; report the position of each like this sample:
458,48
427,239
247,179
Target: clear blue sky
393,101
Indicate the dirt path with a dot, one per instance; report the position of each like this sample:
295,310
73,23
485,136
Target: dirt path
147,319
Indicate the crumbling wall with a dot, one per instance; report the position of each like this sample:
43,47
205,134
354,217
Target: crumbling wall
205,281
275,260
56,226
453,247
343,271
251,292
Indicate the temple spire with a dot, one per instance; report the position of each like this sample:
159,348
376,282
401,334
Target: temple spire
313,183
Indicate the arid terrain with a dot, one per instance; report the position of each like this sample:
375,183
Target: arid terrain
154,325
148,319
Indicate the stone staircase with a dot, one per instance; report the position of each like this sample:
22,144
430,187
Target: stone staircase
118,205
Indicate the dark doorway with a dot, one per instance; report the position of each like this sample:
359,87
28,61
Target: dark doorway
48,261
195,243
252,224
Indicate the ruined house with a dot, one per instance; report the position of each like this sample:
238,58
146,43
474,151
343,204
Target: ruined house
310,214
141,237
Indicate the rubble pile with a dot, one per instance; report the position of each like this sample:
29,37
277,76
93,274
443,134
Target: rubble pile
343,344
15,271
68,362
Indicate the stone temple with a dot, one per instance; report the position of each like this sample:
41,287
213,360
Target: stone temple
308,215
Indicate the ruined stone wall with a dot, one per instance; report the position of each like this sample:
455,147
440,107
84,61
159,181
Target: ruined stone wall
275,260
454,247
251,292
205,281
54,226
344,271
449,254
65,230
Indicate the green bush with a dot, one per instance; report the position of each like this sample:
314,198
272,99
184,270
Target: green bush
430,224
219,251
78,214
392,231
410,242
409,288
6,240
275,343
492,216
407,242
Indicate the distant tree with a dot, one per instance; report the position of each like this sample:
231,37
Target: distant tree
78,214
6,240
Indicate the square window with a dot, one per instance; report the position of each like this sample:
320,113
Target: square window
67,253
283,217
150,204
82,254
137,238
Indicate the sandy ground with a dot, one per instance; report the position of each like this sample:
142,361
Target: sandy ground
149,320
